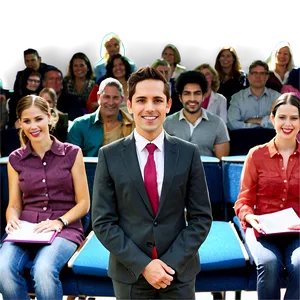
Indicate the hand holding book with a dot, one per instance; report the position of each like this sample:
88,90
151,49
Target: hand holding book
26,233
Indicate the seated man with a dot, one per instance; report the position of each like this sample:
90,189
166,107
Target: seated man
250,108
107,124
33,61
195,124
67,103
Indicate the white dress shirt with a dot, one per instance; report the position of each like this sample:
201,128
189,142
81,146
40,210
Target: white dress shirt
142,154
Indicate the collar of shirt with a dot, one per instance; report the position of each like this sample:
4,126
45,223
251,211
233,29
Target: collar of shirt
273,150
57,148
141,142
285,78
203,115
265,92
97,117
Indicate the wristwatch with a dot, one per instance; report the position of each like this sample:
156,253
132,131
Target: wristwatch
64,221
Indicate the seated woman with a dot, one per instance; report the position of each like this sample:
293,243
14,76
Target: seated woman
270,183
280,64
111,45
232,77
60,120
47,186
171,54
213,101
80,78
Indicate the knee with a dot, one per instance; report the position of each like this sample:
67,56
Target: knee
43,270
270,266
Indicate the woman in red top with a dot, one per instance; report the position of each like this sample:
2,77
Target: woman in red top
270,182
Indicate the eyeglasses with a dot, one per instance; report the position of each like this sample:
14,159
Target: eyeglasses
259,73
33,80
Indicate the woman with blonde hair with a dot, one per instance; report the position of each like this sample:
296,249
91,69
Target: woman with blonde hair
171,54
280,64
111,45
213,101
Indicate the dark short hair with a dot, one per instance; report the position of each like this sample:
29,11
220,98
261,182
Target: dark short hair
31,51
286,98
190,77
259,63
144,74
52,68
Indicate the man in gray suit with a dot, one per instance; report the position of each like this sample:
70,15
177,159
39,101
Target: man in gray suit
140,197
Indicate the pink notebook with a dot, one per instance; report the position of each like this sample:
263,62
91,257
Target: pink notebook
26,235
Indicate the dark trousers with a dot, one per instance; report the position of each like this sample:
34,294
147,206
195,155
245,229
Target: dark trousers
143,290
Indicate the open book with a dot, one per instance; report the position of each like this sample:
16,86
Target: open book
26,235
278,222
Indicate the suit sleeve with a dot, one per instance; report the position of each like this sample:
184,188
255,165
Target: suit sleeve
199,217
105,221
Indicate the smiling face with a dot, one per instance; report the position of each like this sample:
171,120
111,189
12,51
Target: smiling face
286,122
283,56
119,69
169,56
226,59
112,47
149,107
80,68
33,82
191,98
35,123
110,101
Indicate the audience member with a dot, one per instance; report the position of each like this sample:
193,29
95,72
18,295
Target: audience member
270,183
66,103
196,124
294,78
213,101
171,54
280,64
111,45
232,77
80,78
47,186
30,83
117,67
250,107
164,67
60,120
33,61
107,124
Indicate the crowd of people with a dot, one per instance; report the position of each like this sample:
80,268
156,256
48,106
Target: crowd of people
156,110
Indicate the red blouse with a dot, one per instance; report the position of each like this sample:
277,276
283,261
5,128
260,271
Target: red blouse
266,186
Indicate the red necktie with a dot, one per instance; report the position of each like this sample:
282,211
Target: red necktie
150,180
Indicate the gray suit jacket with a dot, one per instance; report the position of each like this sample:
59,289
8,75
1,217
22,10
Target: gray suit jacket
123,219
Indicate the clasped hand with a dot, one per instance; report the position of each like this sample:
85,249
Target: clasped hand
158,274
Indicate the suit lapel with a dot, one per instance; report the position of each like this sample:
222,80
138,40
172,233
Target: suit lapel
130,159
171,158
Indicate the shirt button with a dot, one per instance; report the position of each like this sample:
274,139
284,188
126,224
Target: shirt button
285,181
44,163
44,208
291,159
284,190
282,168
44,180
155,223
281,205
46,195
294,153
283,199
